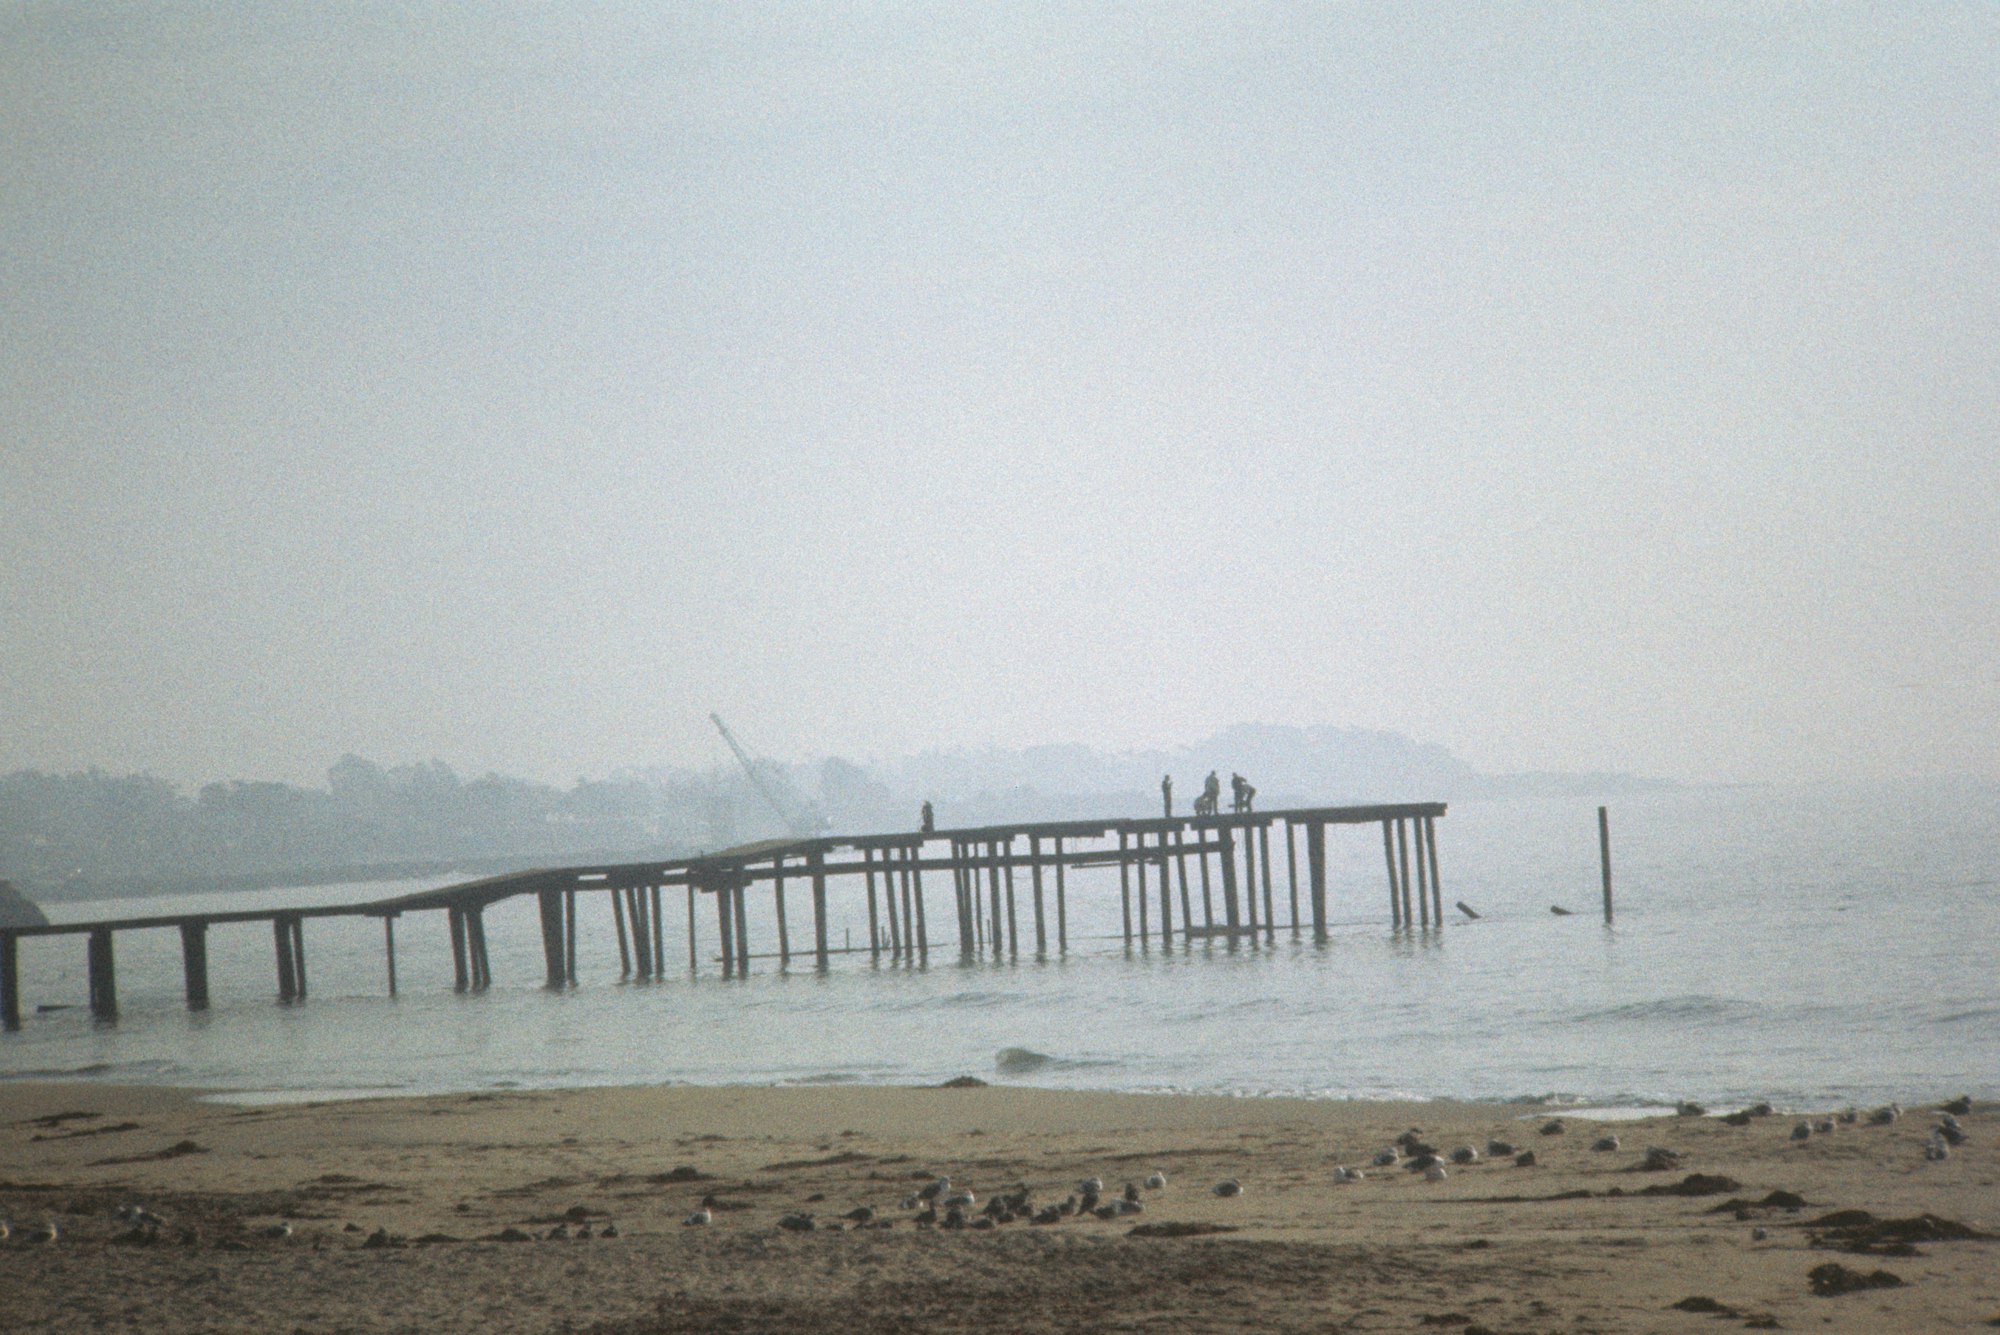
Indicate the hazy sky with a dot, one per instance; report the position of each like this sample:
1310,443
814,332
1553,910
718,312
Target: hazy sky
1572,387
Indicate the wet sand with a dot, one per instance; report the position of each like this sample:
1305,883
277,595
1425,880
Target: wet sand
1586,1241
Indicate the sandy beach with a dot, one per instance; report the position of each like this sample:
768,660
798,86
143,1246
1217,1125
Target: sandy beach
398,1209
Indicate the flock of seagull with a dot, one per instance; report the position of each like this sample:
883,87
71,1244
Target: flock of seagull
938,1204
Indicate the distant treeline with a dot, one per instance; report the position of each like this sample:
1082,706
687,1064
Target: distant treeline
96,833
93,834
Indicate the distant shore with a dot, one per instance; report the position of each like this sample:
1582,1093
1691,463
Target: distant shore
1583,1240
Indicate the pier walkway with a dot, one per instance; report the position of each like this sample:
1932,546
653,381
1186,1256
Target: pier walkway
989,870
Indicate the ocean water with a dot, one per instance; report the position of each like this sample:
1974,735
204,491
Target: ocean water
1811,946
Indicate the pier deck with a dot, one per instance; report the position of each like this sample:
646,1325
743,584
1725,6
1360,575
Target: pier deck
1231,854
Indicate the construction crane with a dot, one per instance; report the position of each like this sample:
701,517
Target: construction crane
799,827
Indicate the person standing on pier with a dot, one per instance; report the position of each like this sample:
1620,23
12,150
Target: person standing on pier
1167,794
1244,793
929,825
1211,796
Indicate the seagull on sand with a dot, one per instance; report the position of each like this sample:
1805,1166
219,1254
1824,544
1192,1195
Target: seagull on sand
280,1230
700,1217
1346,1174
1091,1186
1156,1182
1229,1186
936,1189
1387,1158
1802,1132
46,1233
1435,1173
5,1230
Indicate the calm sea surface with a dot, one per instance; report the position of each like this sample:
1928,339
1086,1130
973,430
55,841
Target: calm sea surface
1808,946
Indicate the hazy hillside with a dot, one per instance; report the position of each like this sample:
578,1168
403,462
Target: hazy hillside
94,833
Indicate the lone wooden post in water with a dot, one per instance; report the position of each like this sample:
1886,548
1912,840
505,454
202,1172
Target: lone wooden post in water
10,982
288,982
103,975
1604,853
194,963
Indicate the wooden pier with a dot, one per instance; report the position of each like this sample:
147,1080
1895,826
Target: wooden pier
989,870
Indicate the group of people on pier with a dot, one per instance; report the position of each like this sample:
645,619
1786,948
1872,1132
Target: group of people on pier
1242,795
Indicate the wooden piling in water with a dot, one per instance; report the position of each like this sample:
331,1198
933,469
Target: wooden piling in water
1035,876
1013,927
1250,880
10,982
1062,903
694,949
736,896
569,934
874,920
1292,873
1403,868
1166,891
1604,855
778,898
1264,858
624,948
642,929
1437,891
913,896
299,953
1226,859
103,969
1316,877
961,900
1125,888
725,919
549,903
1139,862
1207,899
659,933
288,982
899,926
194,963
475,941
1180,866
1389,856
1423,880
993,895
461,976
816,862
389,948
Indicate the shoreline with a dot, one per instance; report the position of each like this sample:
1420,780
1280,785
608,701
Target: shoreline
1582,1240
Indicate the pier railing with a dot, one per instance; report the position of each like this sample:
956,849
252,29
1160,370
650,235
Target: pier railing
990,870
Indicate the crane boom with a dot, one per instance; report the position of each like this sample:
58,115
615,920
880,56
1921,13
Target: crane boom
792,822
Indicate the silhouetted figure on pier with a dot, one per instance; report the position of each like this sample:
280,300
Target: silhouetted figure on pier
929,825
1244,793
1211,796
1167,794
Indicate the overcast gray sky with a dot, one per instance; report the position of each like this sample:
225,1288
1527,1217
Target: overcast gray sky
1572,386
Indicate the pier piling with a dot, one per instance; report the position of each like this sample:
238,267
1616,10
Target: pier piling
389,948
103,971
288,978
1604,855
778,898
549,902
194,963
889,867
1316,877
10,982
